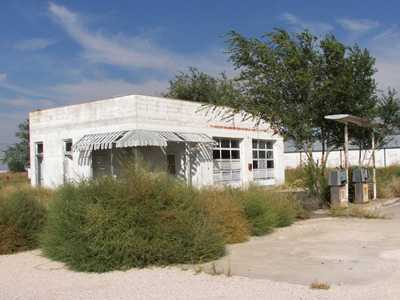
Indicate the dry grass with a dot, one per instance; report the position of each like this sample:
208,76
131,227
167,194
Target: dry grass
294,178
317,285
356,212
13,179
227,214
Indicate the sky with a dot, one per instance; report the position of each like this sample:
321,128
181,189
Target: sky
62,52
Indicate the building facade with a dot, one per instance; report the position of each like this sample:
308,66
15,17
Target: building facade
187,139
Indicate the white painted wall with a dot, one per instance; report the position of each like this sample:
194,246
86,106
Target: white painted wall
52,126
383,158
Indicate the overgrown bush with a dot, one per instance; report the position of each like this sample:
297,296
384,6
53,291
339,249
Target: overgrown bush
141,219
22,216
295,178
227,213
388,182
266,210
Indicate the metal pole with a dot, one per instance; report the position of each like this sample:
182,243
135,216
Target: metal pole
373,166
346,157
384,156
112,161
188,164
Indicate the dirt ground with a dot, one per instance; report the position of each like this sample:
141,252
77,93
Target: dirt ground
358,258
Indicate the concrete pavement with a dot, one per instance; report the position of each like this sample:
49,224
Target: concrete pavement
334,250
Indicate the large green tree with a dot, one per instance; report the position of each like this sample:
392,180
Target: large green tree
17,156
195,85
292,81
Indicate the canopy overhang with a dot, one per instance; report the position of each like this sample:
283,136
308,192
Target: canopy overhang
346,119
137,138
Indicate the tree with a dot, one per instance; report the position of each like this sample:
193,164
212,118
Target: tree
292,81
386,112
200,87
17,156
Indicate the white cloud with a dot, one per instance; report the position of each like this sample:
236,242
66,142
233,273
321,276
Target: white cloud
129,51
358,25
105,88
3,76
299,24
33,44
385,46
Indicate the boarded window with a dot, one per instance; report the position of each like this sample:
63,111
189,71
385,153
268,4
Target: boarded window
226,158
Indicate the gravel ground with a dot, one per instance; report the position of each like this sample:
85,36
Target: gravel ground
28,275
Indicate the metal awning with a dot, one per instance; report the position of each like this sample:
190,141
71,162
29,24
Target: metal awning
195,137
137,138
98,141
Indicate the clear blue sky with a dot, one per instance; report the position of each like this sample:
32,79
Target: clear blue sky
55,53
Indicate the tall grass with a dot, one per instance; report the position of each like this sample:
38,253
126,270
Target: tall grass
22,216
14,179
388,182
227,213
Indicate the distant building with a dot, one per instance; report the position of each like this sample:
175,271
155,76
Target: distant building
387,155
97,138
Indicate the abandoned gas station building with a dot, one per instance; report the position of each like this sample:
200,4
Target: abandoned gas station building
185,138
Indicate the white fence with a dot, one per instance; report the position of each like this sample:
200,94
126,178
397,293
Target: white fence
383,158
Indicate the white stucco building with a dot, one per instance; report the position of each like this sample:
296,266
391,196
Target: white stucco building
184,138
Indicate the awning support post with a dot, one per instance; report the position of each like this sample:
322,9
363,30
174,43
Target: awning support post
346,157
374,192
188,164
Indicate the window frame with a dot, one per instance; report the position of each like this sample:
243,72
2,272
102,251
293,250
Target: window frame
67,153
264,164
230,146
218,147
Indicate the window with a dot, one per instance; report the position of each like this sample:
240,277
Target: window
226,156
39,148
263,159
68,148
39,164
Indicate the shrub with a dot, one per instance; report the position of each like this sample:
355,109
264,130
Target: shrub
226,213
141,219
266,210
295,177
22,216
388,181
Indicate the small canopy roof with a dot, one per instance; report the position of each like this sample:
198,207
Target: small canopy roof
362,122
98,141
137,138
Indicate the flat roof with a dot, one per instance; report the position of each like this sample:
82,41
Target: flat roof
112,98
